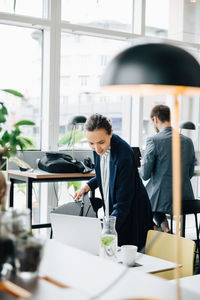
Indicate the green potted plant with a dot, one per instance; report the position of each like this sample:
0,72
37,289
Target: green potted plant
11,141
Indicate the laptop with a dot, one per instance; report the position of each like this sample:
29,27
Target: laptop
80,232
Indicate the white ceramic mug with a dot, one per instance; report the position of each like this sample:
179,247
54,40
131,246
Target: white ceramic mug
128,254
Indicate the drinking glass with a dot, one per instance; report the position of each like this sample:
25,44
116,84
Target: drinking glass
7,250
29,250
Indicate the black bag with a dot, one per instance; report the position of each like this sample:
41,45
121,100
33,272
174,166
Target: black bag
87,207
54,162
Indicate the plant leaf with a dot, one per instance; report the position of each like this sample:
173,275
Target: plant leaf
3,112
3,109
68,138
2,118
13,92
25,140
5,137
24,122
76,185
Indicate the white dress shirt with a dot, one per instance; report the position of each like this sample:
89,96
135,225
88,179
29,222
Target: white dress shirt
105,174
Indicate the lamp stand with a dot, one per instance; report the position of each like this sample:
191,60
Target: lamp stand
176,172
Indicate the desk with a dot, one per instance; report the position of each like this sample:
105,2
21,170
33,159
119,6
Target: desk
16,176
88,275
151,264
190,283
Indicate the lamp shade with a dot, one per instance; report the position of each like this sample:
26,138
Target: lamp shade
187,125
78,120
153,68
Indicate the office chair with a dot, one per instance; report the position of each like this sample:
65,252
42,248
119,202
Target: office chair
162,245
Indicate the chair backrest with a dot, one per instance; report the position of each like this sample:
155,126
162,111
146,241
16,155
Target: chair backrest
88,207
190,207
163,245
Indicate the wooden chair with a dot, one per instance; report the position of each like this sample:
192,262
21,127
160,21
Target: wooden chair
162,245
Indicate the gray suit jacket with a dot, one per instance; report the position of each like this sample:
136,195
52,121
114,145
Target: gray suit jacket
157,166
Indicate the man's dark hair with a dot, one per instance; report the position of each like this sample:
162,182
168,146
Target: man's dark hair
162,112
98,121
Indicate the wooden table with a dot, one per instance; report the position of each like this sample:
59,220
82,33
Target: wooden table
15,176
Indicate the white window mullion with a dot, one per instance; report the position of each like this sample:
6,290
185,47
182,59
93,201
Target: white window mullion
139,7
126,119
136,121
51,75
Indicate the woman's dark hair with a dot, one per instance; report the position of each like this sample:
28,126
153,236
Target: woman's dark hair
162,112
98,121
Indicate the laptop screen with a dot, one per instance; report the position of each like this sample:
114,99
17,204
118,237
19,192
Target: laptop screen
80,232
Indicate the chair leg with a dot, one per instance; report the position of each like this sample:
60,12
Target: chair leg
51,233
183,225
197,242
171,223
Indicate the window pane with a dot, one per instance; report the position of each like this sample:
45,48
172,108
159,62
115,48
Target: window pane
156,19
83,60
112,14
176,20
32,8
20,61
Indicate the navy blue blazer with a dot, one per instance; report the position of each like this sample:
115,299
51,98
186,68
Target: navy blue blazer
128,199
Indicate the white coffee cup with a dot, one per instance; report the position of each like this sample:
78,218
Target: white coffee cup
128,254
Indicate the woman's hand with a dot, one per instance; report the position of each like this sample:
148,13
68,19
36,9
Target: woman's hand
82,191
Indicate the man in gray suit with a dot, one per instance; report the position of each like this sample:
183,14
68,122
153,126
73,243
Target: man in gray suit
157,166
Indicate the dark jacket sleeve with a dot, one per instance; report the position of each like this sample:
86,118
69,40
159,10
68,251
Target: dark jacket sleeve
192,163
125,189
93,184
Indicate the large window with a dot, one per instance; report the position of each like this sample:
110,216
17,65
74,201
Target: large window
83,60
173,19
112,14
32,8
20,69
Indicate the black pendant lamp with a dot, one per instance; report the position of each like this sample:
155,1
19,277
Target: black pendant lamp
154,68
187,125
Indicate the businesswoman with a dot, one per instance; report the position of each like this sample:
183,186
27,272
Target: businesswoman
117,178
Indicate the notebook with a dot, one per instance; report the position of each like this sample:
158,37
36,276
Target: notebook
81,232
